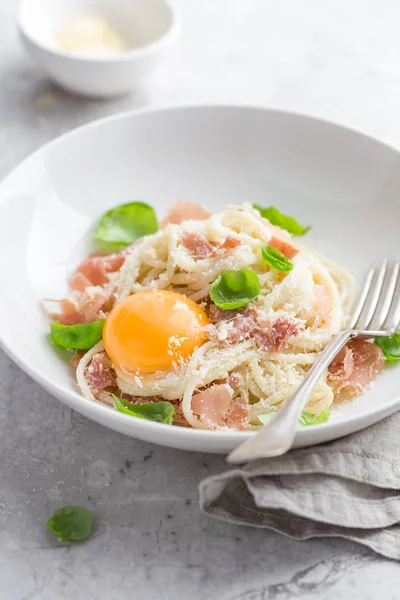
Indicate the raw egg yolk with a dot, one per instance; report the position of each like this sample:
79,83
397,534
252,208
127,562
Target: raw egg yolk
150,330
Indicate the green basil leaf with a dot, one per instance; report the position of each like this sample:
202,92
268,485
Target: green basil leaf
126,223
276,259
310,419
284,221
161,412
390,347
305,419
71,523
267,418
77,337
235,289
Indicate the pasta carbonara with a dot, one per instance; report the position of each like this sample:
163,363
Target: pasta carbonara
224,350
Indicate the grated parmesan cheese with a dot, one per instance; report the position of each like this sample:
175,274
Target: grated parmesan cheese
161,261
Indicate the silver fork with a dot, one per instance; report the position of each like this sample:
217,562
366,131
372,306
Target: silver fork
377,314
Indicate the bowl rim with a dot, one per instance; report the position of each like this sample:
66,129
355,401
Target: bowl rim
120,57
75,400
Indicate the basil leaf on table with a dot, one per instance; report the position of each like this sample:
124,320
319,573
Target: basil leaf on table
284,221
160,412
235,289
276,259
77,337
126,223
308,418
390,347
71,523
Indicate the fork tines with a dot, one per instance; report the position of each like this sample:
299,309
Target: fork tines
378,309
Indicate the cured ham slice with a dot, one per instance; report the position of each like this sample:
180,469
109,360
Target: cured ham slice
79,282
342,366
185,211
216,314
229,244
64,311
243,325
282,330
87,307
91,289
99,374
200,247
273,337
197,245
323,304
97,267
217,409
235,379
91,302
286,248
354,368
212,405
239,414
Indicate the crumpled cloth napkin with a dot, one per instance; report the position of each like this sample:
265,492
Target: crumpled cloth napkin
348,488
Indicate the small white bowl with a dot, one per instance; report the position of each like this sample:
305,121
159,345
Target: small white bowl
149,26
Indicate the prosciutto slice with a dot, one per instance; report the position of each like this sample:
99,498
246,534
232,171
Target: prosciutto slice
212,405
200,247
79,282
342,366
217,409
91,303
90,287
282,330
323,304
286,248
235,379
185,211
99,374
229,244
216,314
64,311
242,327
197,245
87,307
272,337
239,414
97,267
354,368
248,323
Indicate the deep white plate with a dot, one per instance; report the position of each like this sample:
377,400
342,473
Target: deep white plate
343,183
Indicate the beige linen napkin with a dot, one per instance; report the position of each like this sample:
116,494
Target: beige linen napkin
348,488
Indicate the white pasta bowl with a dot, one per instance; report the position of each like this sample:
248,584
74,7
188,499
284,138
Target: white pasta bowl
149,26
343,183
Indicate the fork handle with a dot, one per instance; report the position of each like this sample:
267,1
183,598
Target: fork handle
277,437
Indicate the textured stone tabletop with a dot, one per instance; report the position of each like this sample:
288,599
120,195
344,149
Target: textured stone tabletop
335,59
